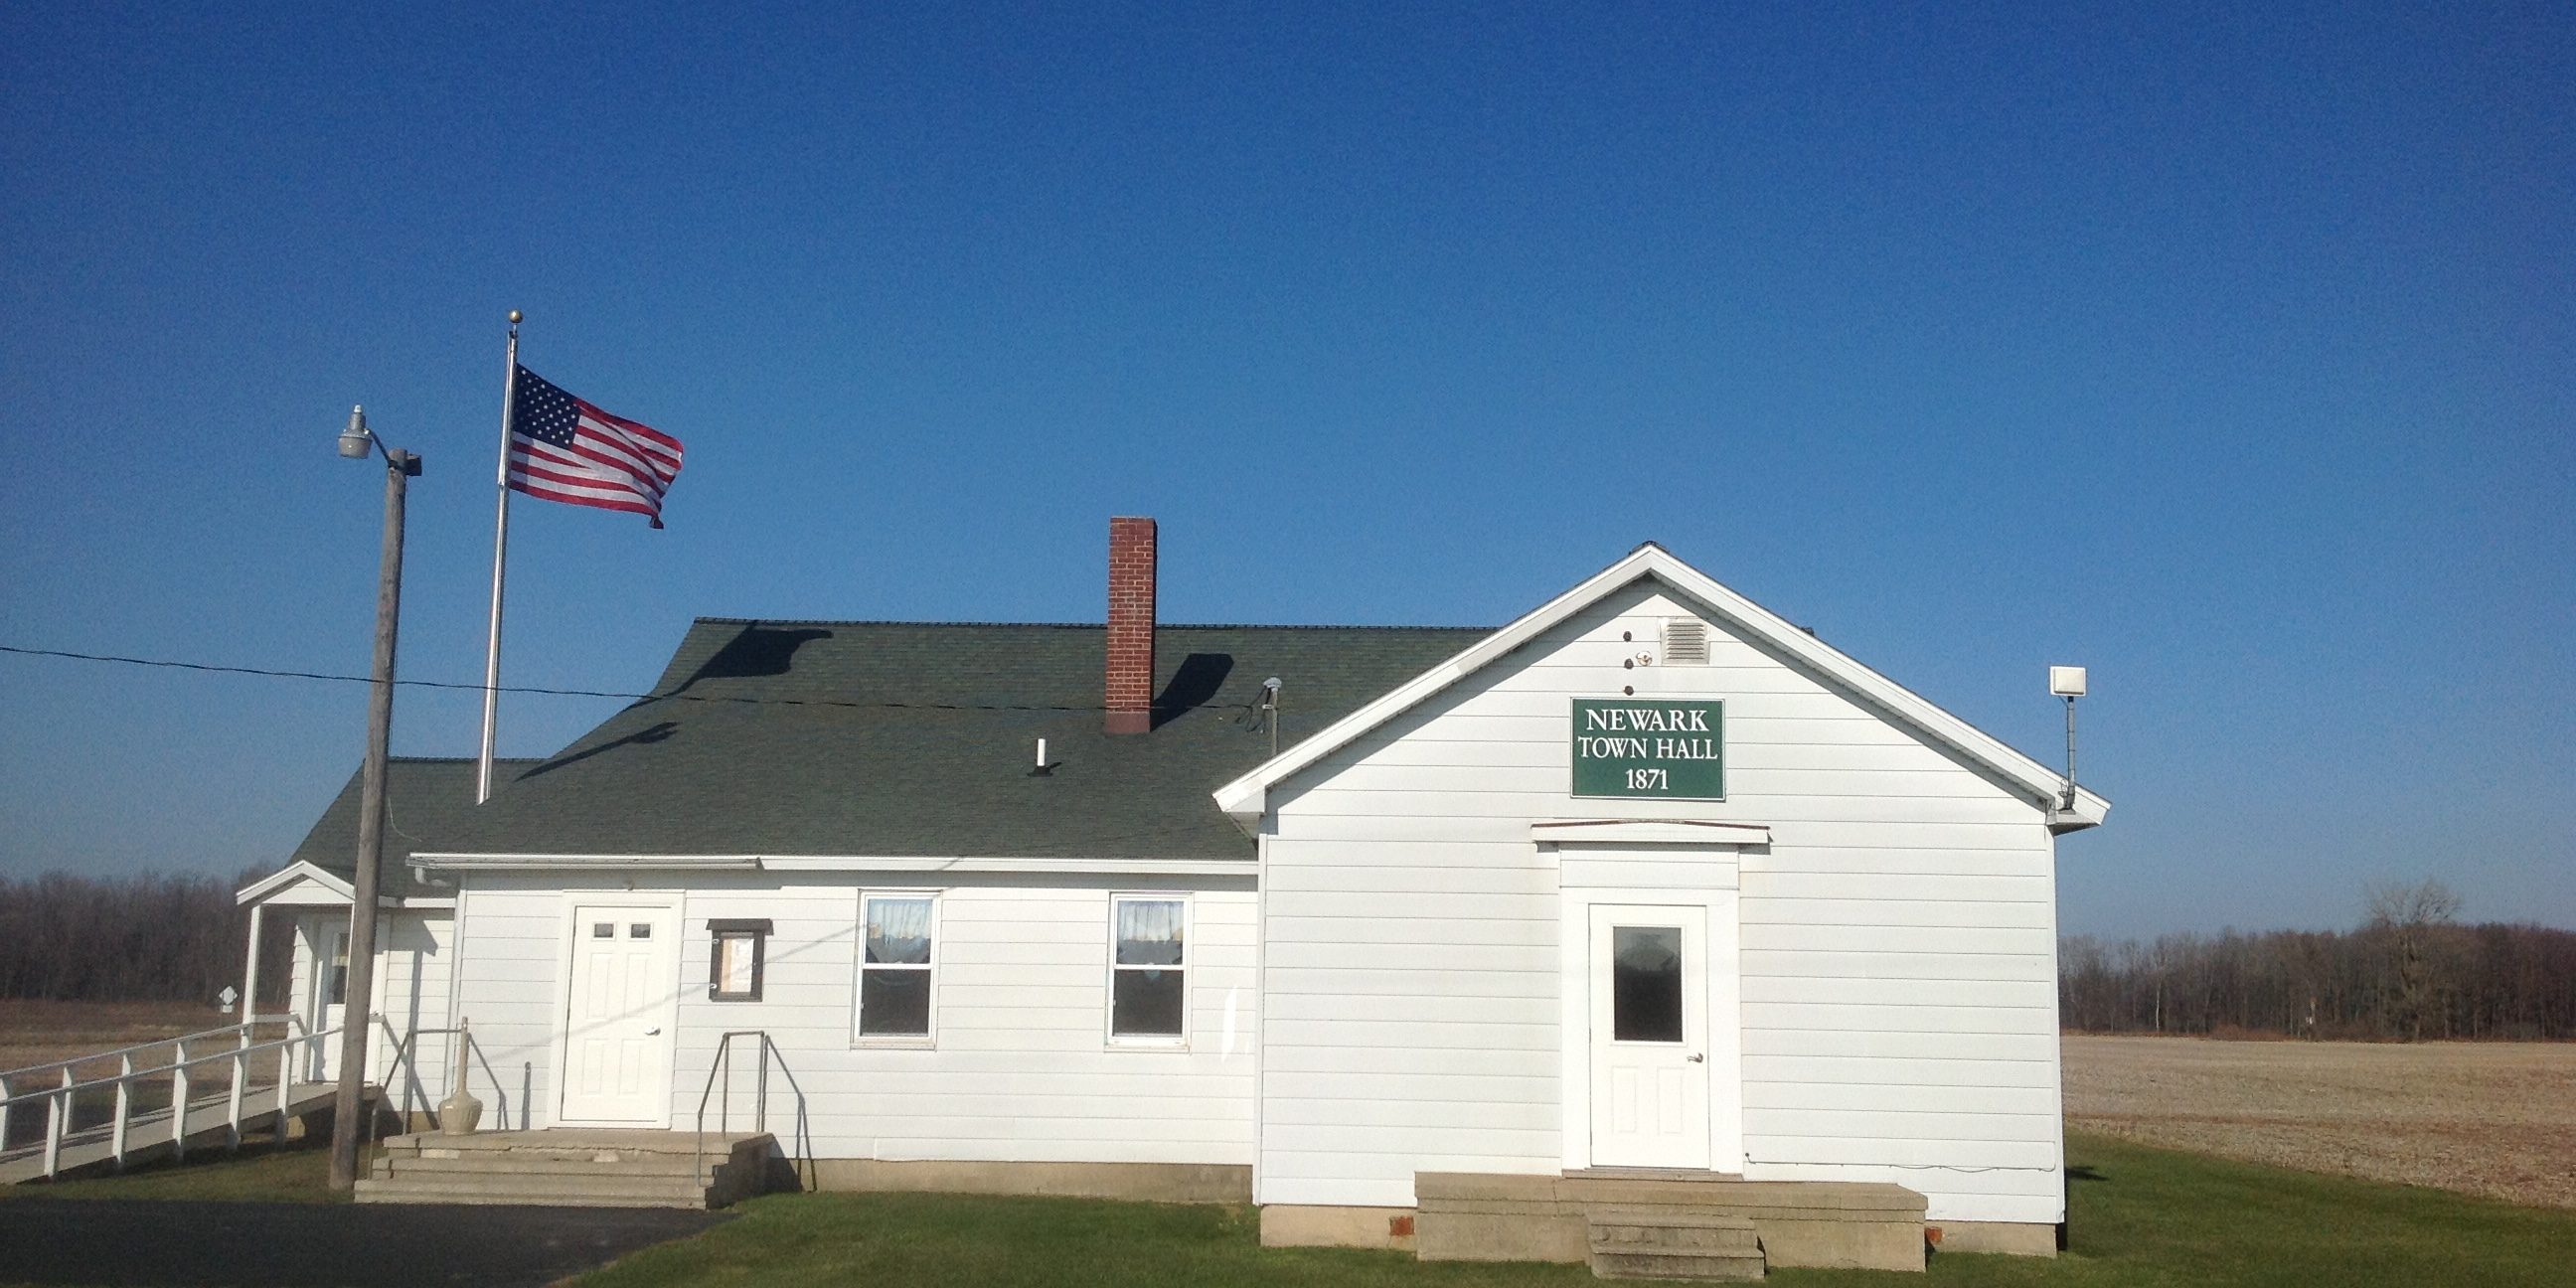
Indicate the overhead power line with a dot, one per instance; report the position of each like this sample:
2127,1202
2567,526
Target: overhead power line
275,674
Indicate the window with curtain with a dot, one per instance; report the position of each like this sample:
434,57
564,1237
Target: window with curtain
1148,993
895,962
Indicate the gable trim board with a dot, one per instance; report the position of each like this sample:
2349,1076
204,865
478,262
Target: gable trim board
1245,798
303,885
279,885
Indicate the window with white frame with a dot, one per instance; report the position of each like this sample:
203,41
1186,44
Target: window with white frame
895,963
1148,969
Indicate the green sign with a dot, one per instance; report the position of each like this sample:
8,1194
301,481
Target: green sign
1657,750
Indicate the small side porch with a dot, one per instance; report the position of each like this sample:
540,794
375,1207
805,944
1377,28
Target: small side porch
1625,1222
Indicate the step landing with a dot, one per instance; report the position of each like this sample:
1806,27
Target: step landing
572,1168
1482,1216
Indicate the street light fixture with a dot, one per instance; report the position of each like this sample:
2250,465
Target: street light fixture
2068,682
349,1105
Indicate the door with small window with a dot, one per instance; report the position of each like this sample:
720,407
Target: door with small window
329,1002
621,1003
1650,1072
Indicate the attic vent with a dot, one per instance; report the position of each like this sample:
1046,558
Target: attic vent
1685,641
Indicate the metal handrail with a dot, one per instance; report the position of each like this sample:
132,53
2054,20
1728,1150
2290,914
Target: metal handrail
722,1066
58,1099
403,1058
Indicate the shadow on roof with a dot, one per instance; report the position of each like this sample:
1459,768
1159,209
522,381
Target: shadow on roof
758,650
1197,679
651,734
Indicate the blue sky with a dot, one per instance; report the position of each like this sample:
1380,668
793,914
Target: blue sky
2229,353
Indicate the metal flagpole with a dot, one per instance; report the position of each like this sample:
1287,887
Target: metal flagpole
500,561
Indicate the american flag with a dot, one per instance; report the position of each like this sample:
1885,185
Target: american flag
564,449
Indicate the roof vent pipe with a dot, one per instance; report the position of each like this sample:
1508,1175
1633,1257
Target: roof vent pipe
1131,626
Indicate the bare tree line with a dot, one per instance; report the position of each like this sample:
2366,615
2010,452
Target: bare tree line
145,938
2409,972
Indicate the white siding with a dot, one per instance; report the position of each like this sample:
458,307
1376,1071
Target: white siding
1897,937
414,957
1021,1068
510,957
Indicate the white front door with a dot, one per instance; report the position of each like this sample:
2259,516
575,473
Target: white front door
618,1014
1650,1075
330,991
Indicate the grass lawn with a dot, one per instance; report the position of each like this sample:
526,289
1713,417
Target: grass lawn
260,1173
2141,1217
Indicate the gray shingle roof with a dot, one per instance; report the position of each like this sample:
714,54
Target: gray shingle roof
909,738
426,801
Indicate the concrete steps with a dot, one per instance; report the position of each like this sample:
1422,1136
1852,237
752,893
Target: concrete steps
1630,1243
1483,1216
570,1168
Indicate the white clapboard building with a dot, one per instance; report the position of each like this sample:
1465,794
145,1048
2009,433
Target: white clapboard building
1436,938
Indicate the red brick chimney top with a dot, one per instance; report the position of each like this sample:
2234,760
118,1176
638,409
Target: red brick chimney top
1131,625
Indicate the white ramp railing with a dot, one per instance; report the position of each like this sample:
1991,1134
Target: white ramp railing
61,1099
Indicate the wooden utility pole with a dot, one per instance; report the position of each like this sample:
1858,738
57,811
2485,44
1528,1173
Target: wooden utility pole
349,1107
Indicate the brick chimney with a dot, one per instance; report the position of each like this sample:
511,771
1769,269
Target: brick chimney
1131,626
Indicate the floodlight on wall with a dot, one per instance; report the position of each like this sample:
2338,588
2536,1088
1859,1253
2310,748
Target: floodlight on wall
2068,682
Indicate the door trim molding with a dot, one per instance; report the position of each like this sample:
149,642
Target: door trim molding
1723,1024
676,903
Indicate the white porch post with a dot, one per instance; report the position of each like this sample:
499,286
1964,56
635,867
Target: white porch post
249,1018
250,971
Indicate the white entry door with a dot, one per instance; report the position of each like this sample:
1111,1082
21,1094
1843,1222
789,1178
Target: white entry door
1650,1075
329,1003
617,1019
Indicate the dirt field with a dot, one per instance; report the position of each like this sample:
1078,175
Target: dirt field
32,1033
35,1032
2497,1119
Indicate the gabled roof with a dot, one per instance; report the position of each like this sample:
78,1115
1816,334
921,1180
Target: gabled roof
332,883
1246,798
913,739
427,800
